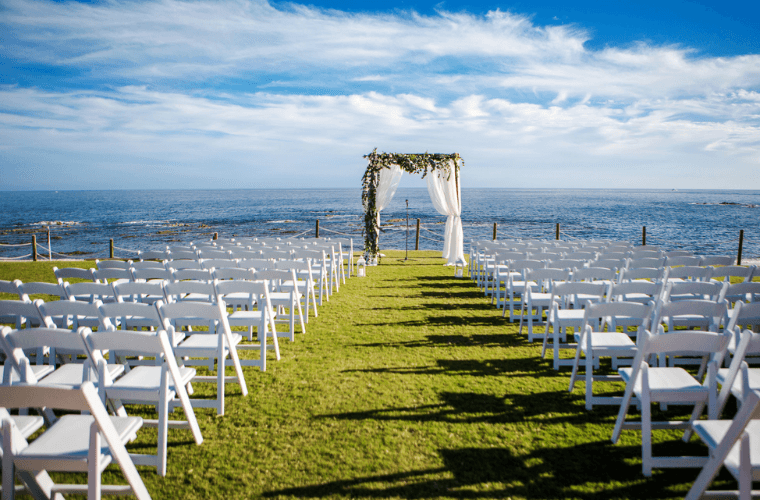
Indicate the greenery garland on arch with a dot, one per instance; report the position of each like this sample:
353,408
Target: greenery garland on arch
410,163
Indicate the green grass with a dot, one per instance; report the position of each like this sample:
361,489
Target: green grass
408,385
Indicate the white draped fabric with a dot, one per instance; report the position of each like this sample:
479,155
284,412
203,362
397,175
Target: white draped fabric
386,187
445,194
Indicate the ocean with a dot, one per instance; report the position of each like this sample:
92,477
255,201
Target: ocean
82,222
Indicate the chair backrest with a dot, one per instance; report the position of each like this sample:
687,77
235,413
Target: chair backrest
15,342
113,264
183,264
654,262
245,254
747,291
184,248
641,273
594,314
73,311
679,253
621,256
526,264
9,287
183,255
195,313
129,315
646,254
566,263
728,272
152,273
192,275
744,315
682,261
153,255
88,291
195,291
506,255
276,255
140,291
208,253
276,277
219,263
40,290
226,273
563,292
65,273
635,291
684,290
695,311
609,263
21,311
258,289
717,260
149,264
112,273
258,263
694,273
594,274
584,256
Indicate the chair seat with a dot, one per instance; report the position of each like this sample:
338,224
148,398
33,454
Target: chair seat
609,341
73,375
669,385
737,388
39,371
68,440
27,424
572,316
202,342
712,433
143,383
243,318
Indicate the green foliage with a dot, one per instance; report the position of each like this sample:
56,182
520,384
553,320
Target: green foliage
409,384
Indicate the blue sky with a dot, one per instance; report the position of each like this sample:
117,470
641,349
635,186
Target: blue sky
255,94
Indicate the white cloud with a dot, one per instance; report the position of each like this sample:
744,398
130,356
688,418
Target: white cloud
171,89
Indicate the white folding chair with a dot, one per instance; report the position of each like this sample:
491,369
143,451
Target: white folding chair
282,298
306,282
668,385
593,342
218,344
735,445
539,298
257,314
561,315
73,444
517,284
162,384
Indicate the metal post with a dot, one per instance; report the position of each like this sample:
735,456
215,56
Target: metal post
417,239
317,228
494,231
557,235
407,231
644,235
34,247
110,253
741,245
50,253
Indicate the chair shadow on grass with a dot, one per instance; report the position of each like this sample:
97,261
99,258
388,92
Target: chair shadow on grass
449,320
474,340
512,368
591,470
536,409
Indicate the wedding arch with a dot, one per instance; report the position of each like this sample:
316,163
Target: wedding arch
381,180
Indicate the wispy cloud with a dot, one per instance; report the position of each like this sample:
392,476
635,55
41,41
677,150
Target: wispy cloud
239,91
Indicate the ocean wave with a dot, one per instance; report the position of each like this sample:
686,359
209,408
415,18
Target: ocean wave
57,223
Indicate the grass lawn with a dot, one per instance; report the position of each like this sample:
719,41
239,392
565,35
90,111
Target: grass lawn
408,385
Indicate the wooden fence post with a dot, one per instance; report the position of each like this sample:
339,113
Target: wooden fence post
317,228
417,237
741,244
34,247
50,252
216,236
110,250
557,234
644,235
494,231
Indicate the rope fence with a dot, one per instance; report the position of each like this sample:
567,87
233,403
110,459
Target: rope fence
17,245
322,228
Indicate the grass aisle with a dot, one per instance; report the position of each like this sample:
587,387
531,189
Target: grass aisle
410,385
